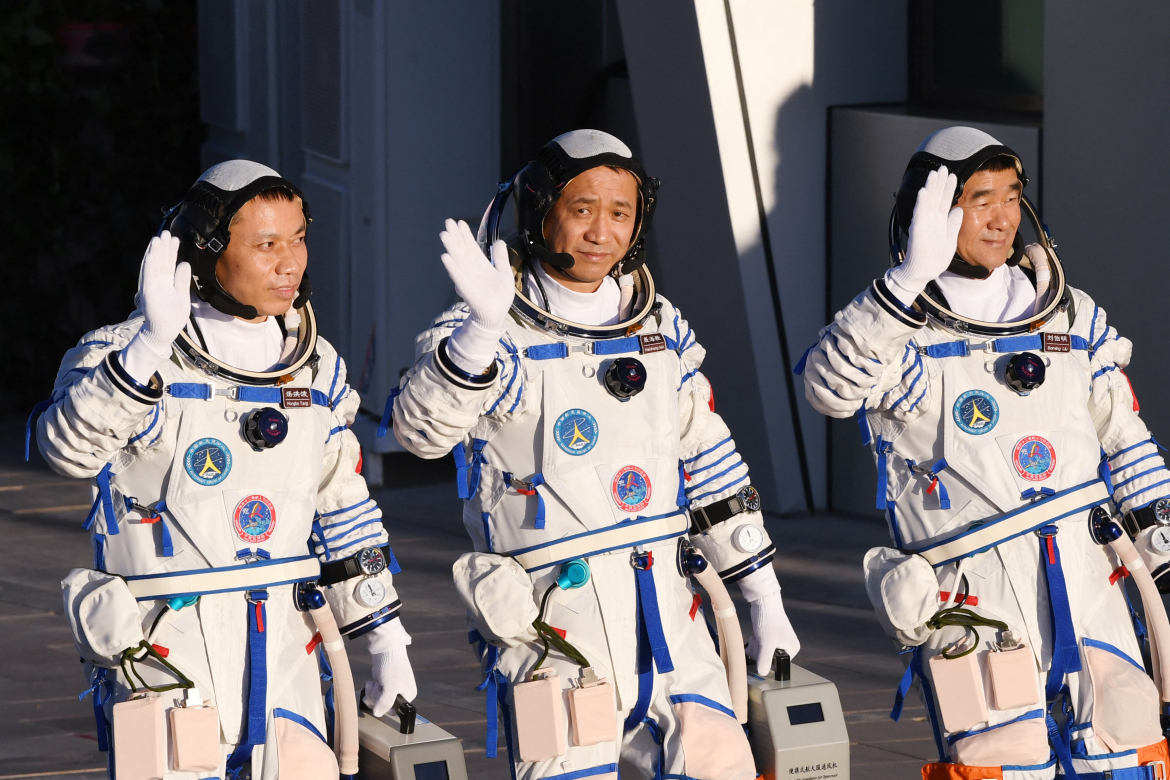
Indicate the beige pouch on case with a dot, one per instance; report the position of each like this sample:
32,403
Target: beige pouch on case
140,740
540,716
194,735
1013,678
592,711
958,686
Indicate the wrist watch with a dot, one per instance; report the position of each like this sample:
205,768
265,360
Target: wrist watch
1154,513
747,499
367,562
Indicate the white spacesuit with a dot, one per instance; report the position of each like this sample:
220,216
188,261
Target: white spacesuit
999,416
225,480
588,437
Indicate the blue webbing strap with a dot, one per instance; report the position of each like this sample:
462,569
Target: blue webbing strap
617,346
36,412
496,686
883,449
459,453
944,500
863,426
914,668
536,481
681,500
384,425
657,735
648,603
99,552
547,351
102,690
486,518
105,500
256,701
168,549
202,391
468,486
645,672
1007,344
477,461
327,676
1066,657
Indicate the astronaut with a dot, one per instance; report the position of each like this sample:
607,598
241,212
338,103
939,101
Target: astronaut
583,432
213,424
994,399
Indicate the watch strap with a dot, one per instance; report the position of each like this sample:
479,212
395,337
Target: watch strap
1137,520
707,517
347,568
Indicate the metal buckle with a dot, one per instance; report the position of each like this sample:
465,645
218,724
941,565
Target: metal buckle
1159,769
641,560
256,596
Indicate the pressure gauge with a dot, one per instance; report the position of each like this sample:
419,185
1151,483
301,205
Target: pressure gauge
748,538
370,593
1160,539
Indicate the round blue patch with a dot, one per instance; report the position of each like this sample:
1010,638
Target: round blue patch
576,432
208,461
976,412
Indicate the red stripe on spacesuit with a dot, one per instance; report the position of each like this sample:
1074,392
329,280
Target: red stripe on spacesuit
1136,407
259,617
1051,550
970,601
359,465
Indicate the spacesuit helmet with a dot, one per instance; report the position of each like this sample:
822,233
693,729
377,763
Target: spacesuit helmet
965,151
517,213
202,220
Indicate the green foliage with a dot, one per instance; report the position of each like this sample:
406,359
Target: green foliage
100,128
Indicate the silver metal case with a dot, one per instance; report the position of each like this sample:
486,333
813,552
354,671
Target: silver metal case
796,728
430,753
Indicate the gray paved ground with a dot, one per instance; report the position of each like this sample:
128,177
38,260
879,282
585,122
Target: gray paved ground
45,732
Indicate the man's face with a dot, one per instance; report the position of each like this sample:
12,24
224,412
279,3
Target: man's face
991,215
593,220
266,257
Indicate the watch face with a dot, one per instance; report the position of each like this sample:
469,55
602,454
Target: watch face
1162,511
370,593
371,561
750,498
748,538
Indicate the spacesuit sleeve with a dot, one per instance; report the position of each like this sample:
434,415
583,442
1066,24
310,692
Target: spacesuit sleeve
866,359
437,404
348,520
1137,470
97,409
712,469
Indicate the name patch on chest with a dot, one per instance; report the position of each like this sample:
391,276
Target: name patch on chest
576,432
208,461
976,412
631,489
1057,342
254,519
1034,458
296,398
652,342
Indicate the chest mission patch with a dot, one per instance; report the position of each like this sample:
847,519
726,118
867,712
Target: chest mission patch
208,461
976,412
576,432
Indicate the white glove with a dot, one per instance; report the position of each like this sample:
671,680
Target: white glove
487,287
392,672
771,629
934,233
166,302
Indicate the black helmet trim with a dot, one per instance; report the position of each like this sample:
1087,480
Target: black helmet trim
539,184
201,222
1059,299
306,354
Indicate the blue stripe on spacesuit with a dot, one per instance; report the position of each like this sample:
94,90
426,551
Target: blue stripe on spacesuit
1147,472
707,451
1131,464
592,771
1111,649
1033,715
347,545
336,373
345,509
701,469
680,698
36,412
725,471
149,428
719,489
280,712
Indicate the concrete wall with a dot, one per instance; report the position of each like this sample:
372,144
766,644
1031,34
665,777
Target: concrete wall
1106,119
741,152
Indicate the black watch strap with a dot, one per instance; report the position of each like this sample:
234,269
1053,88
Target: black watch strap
1137,520
340,571
707,517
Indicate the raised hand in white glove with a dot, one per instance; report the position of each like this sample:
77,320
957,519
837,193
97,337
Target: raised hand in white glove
488,289
771,629
934,233
392,672
166,302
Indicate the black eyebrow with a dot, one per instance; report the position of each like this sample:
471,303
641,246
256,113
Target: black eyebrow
984,193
